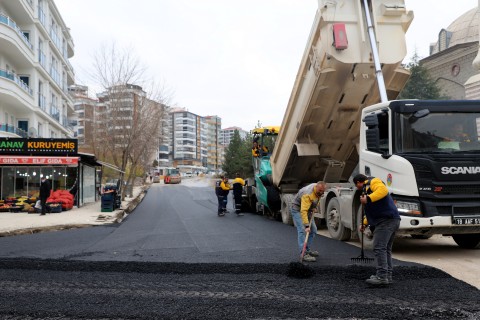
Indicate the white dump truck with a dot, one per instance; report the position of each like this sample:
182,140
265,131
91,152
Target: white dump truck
342,119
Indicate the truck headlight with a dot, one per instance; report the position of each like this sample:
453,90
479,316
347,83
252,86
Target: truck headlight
408,207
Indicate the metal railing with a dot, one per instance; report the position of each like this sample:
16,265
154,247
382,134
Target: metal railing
13,77
5,127
9,22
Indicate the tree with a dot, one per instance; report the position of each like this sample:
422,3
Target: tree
238,157
128,118
420,85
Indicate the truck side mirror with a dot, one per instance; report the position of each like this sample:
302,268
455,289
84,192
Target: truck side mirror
371,120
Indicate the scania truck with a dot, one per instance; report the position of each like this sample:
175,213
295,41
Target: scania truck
342,118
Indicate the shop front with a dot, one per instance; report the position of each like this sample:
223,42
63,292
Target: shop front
23,162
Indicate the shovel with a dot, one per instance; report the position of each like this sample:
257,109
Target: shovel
304,249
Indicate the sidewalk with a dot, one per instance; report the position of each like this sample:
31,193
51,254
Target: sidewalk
88,215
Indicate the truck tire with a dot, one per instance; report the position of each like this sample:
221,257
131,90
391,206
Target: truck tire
467,241
286,209
334,222
367,243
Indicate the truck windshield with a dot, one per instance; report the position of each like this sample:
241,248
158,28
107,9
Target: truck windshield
173,171
437,132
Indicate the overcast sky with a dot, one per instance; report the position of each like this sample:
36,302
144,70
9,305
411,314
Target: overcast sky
234,59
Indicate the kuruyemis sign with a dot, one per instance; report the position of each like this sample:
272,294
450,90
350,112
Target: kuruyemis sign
38,146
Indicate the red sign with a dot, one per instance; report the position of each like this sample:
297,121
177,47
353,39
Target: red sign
38,160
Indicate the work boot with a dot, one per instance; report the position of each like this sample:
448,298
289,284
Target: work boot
376,281
312,253
389,278
309,258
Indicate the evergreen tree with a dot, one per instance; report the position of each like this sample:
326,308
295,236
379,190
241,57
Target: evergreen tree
420,85
238,157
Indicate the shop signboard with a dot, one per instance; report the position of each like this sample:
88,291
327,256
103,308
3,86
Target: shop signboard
38,146
19,160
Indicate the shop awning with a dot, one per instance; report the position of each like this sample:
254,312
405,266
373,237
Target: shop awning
92,160
111,166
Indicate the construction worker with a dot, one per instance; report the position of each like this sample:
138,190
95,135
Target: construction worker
384,220
238,184
305,203
222,188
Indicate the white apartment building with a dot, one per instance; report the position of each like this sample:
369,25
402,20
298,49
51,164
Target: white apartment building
35,72
215,151
189,150
227,134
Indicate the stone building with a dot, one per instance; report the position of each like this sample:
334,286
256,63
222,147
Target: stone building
452,56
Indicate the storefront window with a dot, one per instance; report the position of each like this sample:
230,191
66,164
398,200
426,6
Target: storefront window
59,178
25,181
34,182
21,182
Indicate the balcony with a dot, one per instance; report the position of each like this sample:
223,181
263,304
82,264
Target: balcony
13,77
9,22
55,39
4,127
55,76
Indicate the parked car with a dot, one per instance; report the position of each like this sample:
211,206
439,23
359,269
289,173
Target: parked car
156,179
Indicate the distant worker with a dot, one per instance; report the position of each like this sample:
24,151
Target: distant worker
255,149
304,206
384,220
222,188
238,184
259,150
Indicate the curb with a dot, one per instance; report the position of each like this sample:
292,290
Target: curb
122,214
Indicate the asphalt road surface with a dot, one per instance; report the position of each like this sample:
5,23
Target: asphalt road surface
174,258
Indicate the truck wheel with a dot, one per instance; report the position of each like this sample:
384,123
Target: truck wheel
334,222
467,241
367,243
286,209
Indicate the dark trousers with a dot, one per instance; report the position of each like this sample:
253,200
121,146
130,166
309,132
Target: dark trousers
43,203
238,202
383,237
220,204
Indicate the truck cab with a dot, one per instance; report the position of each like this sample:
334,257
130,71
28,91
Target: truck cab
428,154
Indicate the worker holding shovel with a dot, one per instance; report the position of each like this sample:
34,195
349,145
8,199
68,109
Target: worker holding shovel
305,202
383,216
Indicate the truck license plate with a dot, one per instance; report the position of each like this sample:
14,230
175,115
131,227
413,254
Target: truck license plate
466,221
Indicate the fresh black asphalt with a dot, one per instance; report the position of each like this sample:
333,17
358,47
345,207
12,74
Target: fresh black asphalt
174,258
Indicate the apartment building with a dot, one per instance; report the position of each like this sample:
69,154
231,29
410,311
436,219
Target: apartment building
226,135
83,121
189,141
35,72
215,150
